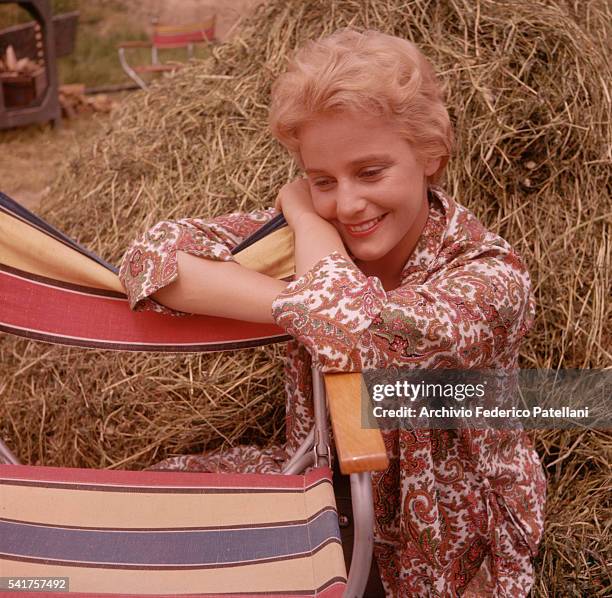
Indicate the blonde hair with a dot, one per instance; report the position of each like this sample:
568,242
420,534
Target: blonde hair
369,72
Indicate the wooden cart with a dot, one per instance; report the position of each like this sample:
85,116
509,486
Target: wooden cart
45,105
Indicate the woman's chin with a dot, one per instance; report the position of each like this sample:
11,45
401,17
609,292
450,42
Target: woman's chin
364,256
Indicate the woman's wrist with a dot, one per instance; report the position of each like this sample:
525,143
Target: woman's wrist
315,238
309,222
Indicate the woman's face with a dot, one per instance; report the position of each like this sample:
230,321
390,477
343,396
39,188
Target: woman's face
366,180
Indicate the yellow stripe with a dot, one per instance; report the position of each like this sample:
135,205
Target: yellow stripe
55,506
28,249
187,28
272,255
306,573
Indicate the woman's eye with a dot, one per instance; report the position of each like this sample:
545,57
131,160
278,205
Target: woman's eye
371,173
322,183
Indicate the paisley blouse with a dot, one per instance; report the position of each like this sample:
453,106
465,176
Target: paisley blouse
458,512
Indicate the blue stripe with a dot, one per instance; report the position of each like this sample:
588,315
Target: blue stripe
209,547
268,228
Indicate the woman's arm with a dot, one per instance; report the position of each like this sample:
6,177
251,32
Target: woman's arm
315,238
462,317
224,289
151,263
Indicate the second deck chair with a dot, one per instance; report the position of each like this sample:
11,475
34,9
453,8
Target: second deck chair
166,37
160,533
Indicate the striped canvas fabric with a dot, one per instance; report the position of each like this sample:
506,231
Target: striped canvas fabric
150,533
166,533
54,290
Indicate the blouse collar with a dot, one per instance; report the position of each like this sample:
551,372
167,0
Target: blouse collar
441,208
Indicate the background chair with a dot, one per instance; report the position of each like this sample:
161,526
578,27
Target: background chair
167,37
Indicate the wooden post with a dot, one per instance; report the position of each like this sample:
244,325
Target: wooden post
48,107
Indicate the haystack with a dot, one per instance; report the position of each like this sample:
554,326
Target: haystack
528,91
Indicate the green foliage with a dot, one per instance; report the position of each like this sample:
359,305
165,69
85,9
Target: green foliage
12,14
95,61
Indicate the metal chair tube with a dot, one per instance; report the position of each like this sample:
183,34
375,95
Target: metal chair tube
297,463
321,441
129,71
7,455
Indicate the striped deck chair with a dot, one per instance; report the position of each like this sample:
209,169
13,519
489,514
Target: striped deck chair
166,37
166,533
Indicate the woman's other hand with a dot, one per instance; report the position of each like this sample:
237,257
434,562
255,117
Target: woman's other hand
294,201
314,236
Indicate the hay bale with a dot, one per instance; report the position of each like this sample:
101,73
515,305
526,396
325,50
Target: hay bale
528,89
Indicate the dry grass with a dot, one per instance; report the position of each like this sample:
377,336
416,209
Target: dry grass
528,89
32,156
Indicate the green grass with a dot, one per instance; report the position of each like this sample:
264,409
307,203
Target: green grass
95,61
103,24
12,14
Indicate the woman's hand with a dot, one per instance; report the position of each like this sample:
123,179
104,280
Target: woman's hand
314,236
294,201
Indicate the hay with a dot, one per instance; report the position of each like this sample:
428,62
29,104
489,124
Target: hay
528,87
574,557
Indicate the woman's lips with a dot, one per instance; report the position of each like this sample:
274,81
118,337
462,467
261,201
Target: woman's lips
365,228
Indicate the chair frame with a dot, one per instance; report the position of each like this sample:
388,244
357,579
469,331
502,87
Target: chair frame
359,450
315,451
155,46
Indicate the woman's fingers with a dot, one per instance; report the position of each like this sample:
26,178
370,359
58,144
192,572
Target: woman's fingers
295,190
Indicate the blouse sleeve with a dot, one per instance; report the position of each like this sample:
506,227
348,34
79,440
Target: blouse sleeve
467,314
150,263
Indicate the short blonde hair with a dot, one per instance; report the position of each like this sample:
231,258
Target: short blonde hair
369,72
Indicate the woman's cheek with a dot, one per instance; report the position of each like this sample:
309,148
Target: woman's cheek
322,207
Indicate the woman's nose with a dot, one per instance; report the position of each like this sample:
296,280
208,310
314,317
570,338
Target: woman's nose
349,203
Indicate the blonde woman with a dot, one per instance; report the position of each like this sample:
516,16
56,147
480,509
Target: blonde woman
390,271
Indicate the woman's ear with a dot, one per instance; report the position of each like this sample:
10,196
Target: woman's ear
433,165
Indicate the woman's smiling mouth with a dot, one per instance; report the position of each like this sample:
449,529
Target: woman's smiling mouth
364,228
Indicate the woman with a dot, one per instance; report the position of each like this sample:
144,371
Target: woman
390,271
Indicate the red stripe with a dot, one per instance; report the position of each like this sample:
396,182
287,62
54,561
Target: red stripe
157,479
177,40
36,307
334,592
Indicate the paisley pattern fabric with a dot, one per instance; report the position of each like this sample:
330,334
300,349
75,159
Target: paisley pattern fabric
458,512
150,263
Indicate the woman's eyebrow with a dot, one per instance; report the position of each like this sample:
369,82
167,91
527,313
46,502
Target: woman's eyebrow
357,162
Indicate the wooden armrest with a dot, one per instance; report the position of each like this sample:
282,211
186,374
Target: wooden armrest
359,449
135,44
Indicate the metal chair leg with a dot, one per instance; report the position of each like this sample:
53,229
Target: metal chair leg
129,71
6,455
